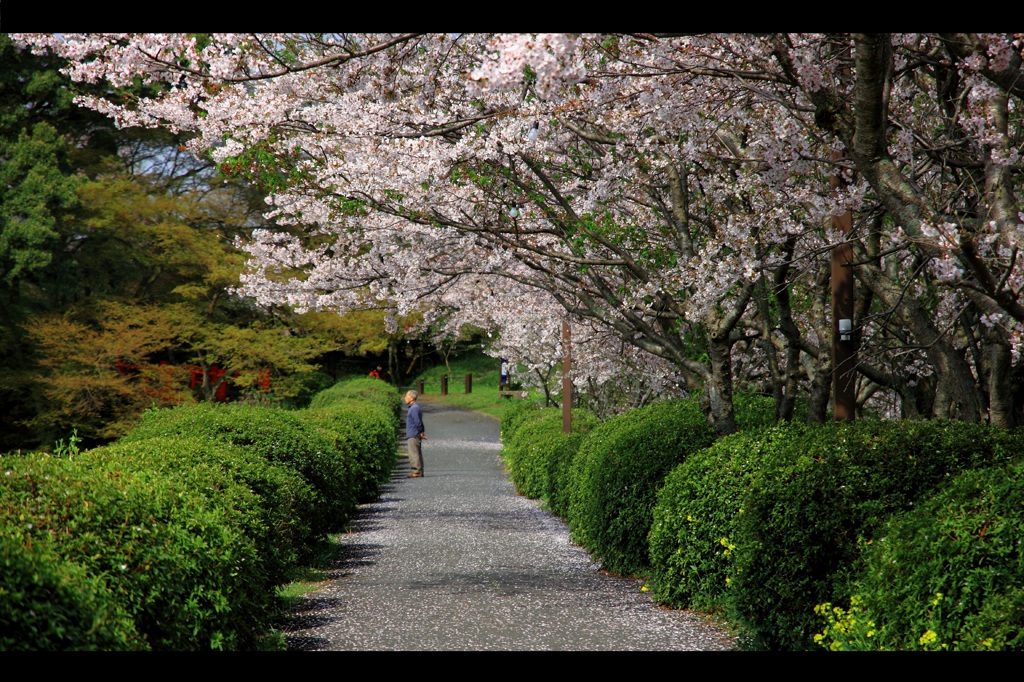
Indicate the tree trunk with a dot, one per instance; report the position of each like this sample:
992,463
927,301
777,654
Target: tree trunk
999,371
718,389
819,369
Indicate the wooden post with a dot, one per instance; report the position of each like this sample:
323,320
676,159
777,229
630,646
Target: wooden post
844,353
566,381
469,383
419,387
444,384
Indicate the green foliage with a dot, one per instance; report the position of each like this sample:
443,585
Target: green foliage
177,565
244,350
368,389
36,194
694,525
360,416
81,377
948,575
279,436
356,333
804,515
68,449
308,384
540,448
765,525
267,167
176,536
755,411
517,414
616,475
49,604
563,453
365,433
270,503
143,283
109,260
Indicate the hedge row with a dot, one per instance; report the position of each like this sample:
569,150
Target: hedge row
360,416
770,524
859,535
366,390
948,575
278,437
694,521
604,476
538,453
165,567
176,536
616,475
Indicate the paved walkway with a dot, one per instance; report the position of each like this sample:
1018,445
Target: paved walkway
457,561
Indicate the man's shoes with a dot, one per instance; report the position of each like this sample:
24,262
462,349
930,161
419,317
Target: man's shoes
415,474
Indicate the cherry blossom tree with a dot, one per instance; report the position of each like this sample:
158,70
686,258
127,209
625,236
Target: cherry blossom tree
666,194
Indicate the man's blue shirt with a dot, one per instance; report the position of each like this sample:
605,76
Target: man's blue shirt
414,421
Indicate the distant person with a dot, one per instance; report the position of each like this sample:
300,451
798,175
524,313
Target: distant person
504,374
378,373
414,433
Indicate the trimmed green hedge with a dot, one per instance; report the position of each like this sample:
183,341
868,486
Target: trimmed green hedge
765,525
366,434
516,415
617,472
364,389
948,575
693,530
177,565
538,454
281,437
175,537
49,604
797,540
272,504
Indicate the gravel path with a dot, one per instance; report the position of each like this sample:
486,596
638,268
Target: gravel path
457,561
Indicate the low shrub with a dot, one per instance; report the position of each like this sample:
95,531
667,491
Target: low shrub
280,436
272,504
365,433
560,462
178,566
49,604
540,451
515,415
366,389
693,527
174,537
797,539
617,472
947,575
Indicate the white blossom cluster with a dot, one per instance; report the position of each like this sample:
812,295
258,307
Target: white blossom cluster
646,189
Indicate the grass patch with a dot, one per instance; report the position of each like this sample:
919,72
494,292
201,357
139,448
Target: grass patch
305,579
483,397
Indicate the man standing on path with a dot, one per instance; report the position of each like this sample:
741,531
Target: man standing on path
414,433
